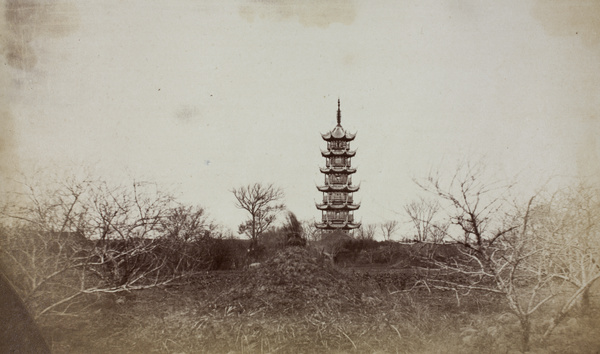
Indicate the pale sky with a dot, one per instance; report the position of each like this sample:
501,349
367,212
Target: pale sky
204,96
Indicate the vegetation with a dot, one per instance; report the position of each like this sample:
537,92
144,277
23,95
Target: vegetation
262,203
126,268
295,303
67,241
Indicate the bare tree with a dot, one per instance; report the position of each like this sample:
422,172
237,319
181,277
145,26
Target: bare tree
187,238
569,225
366,232
499,252
474,206
388,228
62,240
187,223
310,231
528,254
127,222
41,235
126,212
262,203
422,214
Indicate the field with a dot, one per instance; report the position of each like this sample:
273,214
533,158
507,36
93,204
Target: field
295,303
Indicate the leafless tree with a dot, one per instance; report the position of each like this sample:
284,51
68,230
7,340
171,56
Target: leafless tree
126,222
366,232
187,223
388,228
528,254
187,237
126,212
472,205
310,231
62,240
569,225
37,246
422,215
262,202
499,252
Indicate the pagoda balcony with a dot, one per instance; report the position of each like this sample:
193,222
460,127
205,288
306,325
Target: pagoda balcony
342,164
337,226
346,219
333,200
341,180
338,145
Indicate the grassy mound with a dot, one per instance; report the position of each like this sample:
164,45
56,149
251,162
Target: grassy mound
295,281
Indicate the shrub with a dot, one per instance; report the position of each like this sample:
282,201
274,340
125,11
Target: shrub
295,280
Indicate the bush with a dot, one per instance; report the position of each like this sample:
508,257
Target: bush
295,280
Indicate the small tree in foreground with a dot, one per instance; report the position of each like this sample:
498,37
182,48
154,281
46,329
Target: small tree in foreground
547,248
569,223
499,253
262,202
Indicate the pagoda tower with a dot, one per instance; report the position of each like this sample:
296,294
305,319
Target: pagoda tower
338,202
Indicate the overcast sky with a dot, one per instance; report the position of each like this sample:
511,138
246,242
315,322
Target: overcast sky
204,96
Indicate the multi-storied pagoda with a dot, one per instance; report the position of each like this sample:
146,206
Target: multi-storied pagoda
338,202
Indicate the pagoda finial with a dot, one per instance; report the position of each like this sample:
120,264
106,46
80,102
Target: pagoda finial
339,114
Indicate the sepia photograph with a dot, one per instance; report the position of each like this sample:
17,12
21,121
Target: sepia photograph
300,176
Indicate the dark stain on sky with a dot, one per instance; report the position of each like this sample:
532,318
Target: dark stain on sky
570,18
187,113
21,22
27,20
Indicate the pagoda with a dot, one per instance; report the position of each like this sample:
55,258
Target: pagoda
338,202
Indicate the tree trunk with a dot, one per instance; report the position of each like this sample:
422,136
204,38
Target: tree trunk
585,301
560,315
526,332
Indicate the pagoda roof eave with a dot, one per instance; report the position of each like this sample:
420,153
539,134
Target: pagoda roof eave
338,133
335,226
345,188
344,170
344,206
346,137
344,153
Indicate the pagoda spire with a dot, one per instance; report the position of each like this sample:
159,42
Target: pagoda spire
339,114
